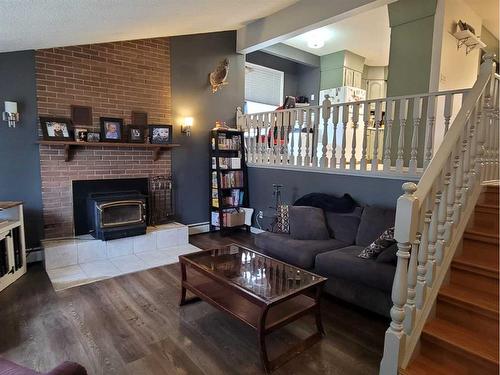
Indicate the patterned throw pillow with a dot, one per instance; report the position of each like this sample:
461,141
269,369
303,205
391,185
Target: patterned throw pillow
283,219
385,240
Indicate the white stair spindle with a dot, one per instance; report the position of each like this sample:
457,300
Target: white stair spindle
314,138
441,226
345,121
421,290
325,111
450,198
293,120
366,121
355,120
251,138
466,163
417,115
403,113
410,307
307,159
431,251
335,121
378,120
273,122
448,111
389,119
429,129
458,181
300,122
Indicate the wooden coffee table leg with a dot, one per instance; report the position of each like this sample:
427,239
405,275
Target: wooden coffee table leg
319,322
183,289
261,332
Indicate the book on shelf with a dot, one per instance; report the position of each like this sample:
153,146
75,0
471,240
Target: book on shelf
231,179
227,142
226,163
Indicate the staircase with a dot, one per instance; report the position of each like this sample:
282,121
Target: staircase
462,338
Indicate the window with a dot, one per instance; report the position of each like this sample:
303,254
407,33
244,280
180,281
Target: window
263,88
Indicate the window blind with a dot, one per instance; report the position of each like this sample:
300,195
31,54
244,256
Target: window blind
263,85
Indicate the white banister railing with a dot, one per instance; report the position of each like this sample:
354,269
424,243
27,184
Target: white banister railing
431,216
385,137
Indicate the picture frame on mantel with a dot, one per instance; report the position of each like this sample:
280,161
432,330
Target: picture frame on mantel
56,128
135,134
160,134
111,129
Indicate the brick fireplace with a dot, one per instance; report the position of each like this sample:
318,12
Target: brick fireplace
114,79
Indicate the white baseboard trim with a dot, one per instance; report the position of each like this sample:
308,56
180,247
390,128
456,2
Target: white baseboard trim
256,230
199,228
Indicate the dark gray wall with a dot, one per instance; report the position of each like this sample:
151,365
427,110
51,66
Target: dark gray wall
193,57
365,190
300,79
309,82
19,157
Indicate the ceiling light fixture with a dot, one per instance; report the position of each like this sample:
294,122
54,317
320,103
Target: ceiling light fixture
316,38
318,43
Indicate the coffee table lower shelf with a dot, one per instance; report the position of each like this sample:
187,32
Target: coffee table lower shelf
262,317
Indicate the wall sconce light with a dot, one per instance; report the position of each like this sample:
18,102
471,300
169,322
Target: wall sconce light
187,124
10,114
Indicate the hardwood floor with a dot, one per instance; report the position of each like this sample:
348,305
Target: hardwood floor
132,324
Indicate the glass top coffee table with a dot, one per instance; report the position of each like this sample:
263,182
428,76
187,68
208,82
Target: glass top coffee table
260,291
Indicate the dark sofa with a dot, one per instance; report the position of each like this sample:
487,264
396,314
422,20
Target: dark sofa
364,282
65,368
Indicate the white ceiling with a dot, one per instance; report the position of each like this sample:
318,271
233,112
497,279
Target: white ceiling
366,34
488,11
35,24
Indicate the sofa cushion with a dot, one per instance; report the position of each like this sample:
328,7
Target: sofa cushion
300,253
308,223
327,202
374,221
345,264
344,226
388,255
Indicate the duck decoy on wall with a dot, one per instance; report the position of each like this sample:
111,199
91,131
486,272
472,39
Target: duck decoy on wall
219,76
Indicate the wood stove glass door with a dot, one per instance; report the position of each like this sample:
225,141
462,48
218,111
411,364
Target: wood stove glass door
115,214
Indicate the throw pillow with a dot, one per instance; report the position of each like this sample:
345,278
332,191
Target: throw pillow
385,240
344,227
283,219
388,255
308,223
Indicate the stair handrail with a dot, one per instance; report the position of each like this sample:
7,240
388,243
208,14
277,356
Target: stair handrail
431,216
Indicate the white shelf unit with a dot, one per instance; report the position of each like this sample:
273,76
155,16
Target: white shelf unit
469,40
12,243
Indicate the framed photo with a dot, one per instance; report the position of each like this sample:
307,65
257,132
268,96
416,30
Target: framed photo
80,134
93,137
56,128
160,134
135,134
111,129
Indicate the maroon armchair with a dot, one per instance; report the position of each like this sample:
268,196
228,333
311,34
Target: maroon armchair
65,368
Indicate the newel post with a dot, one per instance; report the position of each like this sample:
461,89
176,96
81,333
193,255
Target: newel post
405,234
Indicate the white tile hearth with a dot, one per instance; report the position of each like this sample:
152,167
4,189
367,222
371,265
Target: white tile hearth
91,250
119,248
83,260
100,269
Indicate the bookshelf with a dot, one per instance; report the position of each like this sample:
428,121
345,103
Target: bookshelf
228,181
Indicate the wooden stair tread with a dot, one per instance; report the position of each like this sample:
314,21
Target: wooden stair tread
486,207
483,302
423,365
478,235
461,340
476,264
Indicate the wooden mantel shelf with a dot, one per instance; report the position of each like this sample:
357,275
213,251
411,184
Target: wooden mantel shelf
70,144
